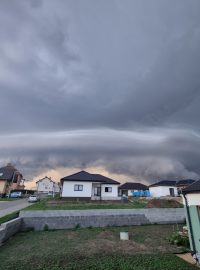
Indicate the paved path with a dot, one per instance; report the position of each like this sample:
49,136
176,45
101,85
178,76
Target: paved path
7,207
188,258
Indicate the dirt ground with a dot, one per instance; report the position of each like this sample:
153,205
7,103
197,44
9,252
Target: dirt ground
163,203
143,240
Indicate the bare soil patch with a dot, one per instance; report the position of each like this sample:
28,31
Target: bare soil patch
163,203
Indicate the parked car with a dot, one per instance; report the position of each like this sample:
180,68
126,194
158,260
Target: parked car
16,194
50,193
33,198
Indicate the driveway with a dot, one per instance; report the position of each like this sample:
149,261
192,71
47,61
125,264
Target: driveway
7,207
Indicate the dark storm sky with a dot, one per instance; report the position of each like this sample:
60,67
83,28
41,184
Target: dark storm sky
107,83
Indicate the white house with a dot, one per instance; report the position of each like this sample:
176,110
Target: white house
163,188
46,185
129,188
87,186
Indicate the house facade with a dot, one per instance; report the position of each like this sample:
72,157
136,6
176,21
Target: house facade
163,188
87,186
182,184
46,185
133,189
10,179
191,200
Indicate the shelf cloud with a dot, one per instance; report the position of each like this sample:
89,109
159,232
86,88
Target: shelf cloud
101,83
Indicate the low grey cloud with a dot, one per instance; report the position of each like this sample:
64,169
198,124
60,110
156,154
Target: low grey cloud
145,155
109,83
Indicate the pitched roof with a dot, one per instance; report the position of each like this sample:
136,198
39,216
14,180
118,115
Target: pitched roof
89,177
195,187
45,178
185,182
166,183
133,186
8,172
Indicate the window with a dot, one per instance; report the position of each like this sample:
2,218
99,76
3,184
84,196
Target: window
108,189
78,187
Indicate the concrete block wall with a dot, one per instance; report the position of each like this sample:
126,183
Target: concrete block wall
9,228
69,222
66,219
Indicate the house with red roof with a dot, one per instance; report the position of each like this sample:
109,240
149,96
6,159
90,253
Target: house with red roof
10,179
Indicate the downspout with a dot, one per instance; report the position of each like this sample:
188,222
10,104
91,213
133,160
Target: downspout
190,227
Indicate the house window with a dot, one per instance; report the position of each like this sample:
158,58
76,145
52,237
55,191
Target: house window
78,187
108,189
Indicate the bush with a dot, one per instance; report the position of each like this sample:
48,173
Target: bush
179,240
46,227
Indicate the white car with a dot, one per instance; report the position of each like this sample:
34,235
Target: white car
33,198
50,193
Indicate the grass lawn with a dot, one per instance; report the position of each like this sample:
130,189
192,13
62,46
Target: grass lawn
56,204
8,199
9,217
93,248
45,205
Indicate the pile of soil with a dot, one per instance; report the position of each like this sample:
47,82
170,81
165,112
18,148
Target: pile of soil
163,203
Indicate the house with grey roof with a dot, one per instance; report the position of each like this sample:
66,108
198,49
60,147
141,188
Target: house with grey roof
169,187
182,184
163,188
10,179
129,188
89,186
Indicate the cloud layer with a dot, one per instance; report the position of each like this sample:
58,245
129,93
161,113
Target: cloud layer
110,83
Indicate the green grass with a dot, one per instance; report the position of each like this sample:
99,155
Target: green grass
134,203
9,217
93,248
46,204
8,199
148,262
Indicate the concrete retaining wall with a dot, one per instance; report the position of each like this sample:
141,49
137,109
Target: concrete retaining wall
9,228
66,219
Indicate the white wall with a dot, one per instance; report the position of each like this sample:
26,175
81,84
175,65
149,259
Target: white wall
68,189
192,198
108,195
56,188
130,192
162,191
45,185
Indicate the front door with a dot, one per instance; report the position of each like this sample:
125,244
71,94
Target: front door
97,191
171,192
